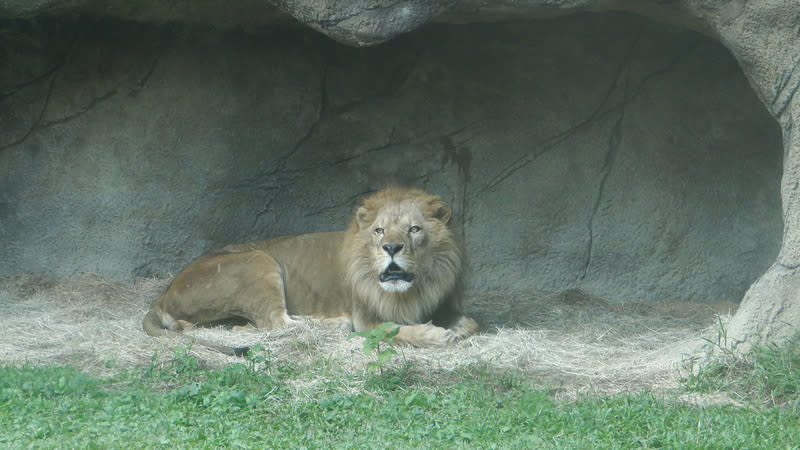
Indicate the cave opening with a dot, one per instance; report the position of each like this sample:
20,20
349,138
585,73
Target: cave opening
603,153
613,176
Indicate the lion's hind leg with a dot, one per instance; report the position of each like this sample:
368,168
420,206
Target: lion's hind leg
344,321
247,284
246,328
260,296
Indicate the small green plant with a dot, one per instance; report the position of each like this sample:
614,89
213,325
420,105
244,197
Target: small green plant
257,359
381,341
719,362
183,362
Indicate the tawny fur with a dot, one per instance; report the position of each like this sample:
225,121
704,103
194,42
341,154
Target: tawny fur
399,261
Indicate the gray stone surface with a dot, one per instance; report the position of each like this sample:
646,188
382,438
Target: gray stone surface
364,22
601,152
763,37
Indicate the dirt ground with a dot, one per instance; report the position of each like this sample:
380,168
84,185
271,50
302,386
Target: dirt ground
569,341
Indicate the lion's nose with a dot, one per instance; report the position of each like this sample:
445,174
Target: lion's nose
392,249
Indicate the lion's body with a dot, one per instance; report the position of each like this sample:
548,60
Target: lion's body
409,273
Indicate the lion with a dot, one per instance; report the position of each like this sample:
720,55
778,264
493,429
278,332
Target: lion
400,260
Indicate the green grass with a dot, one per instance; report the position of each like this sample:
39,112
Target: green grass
768,375
264,404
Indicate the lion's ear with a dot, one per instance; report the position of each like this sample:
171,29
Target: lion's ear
441,211
363,217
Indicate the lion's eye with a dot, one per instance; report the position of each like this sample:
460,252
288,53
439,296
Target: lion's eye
414,229
378,231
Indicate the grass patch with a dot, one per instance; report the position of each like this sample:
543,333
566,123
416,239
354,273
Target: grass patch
261,403
768,375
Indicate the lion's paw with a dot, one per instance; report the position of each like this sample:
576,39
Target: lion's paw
464,328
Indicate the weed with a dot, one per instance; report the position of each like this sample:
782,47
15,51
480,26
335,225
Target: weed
380,340
257,359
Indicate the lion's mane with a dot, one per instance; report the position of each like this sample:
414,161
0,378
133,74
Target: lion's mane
438,268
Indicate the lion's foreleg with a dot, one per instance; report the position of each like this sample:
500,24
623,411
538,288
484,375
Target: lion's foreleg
421,335
424,334
430,335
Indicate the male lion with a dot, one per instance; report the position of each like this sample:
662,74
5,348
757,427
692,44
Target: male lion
399,261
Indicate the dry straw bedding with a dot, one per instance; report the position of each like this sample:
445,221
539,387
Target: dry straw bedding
570,341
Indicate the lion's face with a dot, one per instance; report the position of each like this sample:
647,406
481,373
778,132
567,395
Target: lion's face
403,240
398,238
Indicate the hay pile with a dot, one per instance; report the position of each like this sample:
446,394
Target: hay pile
569,341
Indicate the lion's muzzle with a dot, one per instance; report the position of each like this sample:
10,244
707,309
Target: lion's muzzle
395,279
394,272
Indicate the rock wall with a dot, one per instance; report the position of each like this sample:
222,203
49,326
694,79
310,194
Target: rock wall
602,152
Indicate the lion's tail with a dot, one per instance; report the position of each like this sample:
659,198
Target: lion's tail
153,326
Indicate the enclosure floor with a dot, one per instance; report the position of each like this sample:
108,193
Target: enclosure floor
568,342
